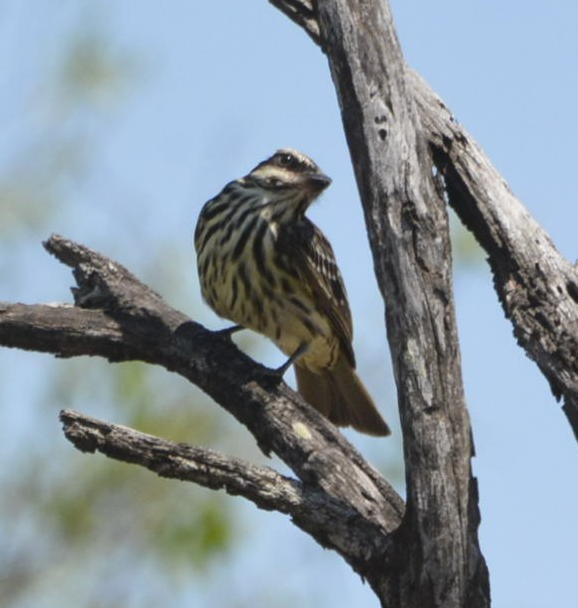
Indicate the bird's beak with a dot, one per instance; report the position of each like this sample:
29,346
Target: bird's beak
316,182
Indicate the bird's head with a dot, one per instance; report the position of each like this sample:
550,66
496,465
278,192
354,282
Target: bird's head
289,176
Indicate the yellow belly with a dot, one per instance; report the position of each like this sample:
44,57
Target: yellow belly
288,324
322,346
284,310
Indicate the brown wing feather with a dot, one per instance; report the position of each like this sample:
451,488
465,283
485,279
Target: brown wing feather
311,256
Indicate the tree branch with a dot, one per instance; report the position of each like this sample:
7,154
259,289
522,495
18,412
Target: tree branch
310,509
438,549
119,318
397,129
62,329
537,287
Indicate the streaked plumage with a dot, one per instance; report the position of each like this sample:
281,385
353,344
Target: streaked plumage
265,266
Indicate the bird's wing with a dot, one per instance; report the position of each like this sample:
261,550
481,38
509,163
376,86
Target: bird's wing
311,256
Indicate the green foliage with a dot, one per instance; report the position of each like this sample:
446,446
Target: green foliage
197,533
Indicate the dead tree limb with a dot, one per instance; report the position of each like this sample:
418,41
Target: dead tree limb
117,317
537,287
427,553
330,522
440,562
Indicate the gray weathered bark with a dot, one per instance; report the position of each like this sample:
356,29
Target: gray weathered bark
538,288
388,112
309,507
439,558
117,317
540,299
425,554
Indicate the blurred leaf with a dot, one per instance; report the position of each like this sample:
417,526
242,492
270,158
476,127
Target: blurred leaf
92,72
197,534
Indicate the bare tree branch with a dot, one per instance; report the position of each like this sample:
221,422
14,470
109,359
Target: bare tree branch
312,510
119,318
428,553
262,485
62,329
537,287
437,548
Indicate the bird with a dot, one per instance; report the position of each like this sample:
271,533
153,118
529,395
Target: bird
265,266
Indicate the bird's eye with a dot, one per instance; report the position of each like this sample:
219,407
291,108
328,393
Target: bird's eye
287,160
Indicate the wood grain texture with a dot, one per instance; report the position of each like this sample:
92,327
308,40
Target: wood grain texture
331,522
425,554
538,288
439,559
117,317
535,284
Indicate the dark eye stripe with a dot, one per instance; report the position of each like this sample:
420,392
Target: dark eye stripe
286,159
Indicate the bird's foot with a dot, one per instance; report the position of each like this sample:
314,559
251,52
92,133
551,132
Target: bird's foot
280,371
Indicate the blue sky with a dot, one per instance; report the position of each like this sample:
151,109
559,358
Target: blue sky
220,85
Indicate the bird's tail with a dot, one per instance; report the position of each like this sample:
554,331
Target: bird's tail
340,396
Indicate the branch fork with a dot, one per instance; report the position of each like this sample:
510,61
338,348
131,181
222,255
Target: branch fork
337,497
